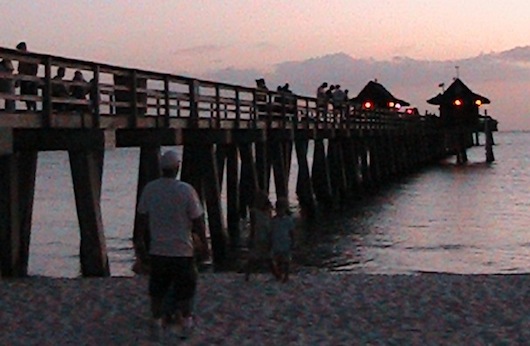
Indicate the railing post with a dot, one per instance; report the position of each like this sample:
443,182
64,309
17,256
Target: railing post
194,109
47,93
166,101
217,106
133,100
95,96
238,108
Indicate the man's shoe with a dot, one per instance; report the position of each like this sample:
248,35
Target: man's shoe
156,329
188,325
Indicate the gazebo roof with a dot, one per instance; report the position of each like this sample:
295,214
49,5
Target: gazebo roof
457,90
377,93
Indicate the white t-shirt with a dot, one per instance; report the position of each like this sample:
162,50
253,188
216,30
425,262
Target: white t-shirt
171,205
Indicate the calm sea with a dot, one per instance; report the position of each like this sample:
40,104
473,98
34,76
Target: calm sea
458,219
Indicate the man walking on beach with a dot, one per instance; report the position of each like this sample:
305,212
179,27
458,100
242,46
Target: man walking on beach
169,211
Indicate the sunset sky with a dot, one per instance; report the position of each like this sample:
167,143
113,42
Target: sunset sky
240,40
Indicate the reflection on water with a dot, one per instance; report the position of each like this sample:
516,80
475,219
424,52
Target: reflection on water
447,218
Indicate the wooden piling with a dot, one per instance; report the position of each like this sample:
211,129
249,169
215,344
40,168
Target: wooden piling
336,171
350,166
248,184
199,168
212,191
365,166
489,141
304,189
232,195
148,170
262,165
320,177
10,261
87,169
27,169
277,157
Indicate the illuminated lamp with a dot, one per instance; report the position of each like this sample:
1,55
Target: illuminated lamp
398,106
478,103
367,105
409,111
457,102
391,104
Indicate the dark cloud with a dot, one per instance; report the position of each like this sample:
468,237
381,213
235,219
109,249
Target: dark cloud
204,49
518,54
264,45
232,75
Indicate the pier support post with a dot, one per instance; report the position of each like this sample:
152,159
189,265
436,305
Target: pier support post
320,174
489,141
375,169
350,166
148,170
277,155
232,195
304,190
262,166
336,170
365,164
17,188
87,170
10,262
249,178
27,169
199,168
212,192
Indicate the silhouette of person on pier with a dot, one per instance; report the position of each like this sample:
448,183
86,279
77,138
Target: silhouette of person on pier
79,89
338,98
59,89
28,87
286,99
261,95
7,84
321,94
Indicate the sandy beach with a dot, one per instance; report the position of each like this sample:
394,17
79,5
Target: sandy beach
313,308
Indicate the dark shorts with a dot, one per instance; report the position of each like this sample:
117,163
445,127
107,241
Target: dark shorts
178,274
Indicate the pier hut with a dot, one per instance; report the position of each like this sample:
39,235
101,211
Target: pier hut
459,113
375,96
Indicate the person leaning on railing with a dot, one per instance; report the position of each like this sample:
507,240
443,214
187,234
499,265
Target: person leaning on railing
28,87
79,90
261,95
7,85
59,89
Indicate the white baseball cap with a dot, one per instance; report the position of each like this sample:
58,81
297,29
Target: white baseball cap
170,160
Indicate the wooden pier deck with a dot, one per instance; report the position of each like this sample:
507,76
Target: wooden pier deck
227,130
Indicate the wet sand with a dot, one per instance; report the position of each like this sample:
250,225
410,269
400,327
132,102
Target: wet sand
313,308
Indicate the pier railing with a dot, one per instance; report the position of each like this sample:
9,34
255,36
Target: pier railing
118,97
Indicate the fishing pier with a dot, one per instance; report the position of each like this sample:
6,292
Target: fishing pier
241,134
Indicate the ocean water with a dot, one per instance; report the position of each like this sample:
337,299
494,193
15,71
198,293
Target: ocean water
466,219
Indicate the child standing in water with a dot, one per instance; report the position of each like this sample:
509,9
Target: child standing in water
282,239
259,239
